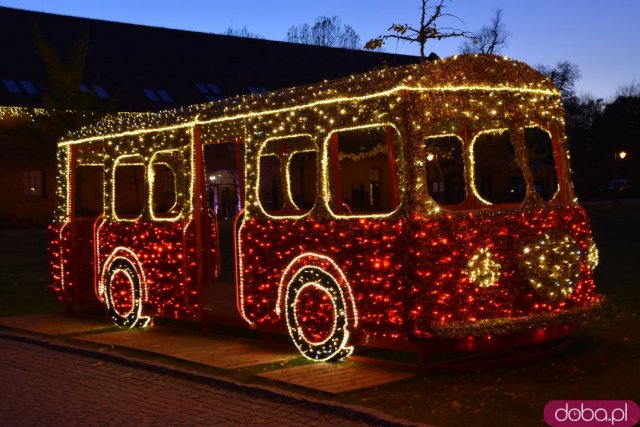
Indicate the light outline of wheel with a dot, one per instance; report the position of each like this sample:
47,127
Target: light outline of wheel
334,347
134,318
333,303
131,287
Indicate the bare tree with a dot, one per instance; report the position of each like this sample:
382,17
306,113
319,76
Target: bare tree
489,39
242,32
564,76
426,30
630,90
325,32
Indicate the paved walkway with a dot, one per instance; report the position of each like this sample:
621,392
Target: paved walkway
43,386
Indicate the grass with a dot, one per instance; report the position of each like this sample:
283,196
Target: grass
602,362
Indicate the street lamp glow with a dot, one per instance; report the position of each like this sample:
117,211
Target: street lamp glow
429,157
622,154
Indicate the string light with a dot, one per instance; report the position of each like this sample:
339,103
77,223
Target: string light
552,265
482,270
325,275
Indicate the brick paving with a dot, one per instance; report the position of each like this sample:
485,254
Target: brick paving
43,386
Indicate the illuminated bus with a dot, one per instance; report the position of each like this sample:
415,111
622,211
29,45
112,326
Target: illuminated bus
410,207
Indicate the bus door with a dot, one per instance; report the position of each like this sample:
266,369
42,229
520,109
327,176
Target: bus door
86,214
224,184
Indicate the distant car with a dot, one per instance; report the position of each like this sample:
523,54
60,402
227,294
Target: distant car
620,184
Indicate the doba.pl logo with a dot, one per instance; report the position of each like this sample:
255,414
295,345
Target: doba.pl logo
592,413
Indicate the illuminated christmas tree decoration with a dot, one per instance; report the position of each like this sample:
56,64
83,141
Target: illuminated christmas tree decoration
552,265
482,269
336,275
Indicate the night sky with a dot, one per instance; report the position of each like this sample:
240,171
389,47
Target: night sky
602,38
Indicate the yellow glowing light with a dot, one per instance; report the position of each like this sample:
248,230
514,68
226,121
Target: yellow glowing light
482,268
552,265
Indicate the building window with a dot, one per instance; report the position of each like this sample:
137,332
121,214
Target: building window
32,183
157,95
99,90
29,87
151,95
164,95
11,86
211,91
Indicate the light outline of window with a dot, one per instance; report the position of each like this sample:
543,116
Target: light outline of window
284,204
116,164
11,86
80,164
465,173
556,159
290,157
257,202
326,182
100,91
151,176
28,87
472,163
33,179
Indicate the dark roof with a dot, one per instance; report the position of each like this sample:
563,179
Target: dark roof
467,73
125,59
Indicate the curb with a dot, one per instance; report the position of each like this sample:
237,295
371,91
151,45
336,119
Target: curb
354,412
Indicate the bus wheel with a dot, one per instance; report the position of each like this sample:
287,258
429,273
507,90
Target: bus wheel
316,315
123,292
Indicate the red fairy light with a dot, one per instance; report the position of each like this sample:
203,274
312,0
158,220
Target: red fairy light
419,272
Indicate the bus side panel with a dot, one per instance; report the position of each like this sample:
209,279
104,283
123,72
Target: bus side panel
442,292
368,251
166,253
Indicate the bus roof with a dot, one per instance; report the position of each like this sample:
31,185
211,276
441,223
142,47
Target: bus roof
453,74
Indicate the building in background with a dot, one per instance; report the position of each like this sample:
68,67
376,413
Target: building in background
75,65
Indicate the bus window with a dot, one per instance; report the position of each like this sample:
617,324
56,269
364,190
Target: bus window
129,191
302,179
164,200
363,175
497,175
89,191
270,187
541,161
444,167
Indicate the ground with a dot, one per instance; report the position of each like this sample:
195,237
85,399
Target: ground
59,388
602,362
